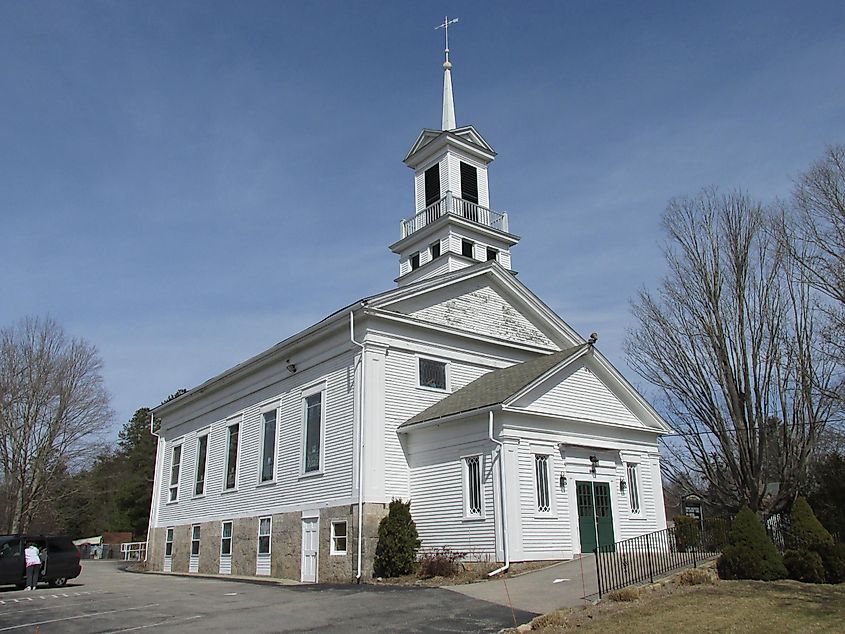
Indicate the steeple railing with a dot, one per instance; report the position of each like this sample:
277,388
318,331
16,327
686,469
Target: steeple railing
455,206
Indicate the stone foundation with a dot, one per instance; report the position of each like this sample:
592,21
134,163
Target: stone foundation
286,545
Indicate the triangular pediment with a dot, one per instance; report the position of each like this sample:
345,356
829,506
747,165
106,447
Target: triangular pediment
466,136
588,391
485,300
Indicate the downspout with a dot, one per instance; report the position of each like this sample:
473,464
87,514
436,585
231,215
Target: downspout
154,497
504,497
360,449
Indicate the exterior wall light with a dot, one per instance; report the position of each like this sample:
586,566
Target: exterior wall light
623,486
291,368
563,482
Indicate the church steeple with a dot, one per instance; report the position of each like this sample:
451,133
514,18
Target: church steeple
453,226
448,101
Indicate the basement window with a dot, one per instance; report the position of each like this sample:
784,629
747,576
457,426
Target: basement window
338,538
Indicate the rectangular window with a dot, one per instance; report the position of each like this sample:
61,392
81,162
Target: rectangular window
202,459
168,543
435,250
313,431
467,249
432,185
264,527
195,539
491,253
232,456
338,538
175,466
633,487
541,470
433,374
268,446
226,539
415,261
472,479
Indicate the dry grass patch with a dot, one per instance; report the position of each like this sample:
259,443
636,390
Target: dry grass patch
697,577
467,573
753,607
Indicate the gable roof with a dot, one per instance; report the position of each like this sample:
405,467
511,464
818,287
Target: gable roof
496,387
466,136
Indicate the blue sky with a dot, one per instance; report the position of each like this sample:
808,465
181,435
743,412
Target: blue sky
187,183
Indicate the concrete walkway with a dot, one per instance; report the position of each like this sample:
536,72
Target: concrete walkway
561,585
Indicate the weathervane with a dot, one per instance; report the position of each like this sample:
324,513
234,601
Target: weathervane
445,27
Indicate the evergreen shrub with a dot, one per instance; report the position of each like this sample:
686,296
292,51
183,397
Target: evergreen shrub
804,565
833,560
716,532
751,554
805,530
398,542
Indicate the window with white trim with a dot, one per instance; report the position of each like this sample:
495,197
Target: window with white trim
432,374
338,546
472,487
634,487
268,446
231,474
202,462
226,539
313,421
265,525
541,473
195,540
175,467
168,543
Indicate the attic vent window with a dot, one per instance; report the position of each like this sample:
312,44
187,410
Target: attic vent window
491,253
435,250
415,261
469,183
467,248
432,185
433,374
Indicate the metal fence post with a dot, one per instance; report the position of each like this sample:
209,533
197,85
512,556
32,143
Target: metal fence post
648,557
598,570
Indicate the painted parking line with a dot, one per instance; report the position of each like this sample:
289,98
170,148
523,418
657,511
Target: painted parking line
52,605
42,596
160,623
79,616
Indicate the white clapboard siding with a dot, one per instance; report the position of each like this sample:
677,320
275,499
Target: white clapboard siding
290,489
225,564
543,536
437,505
403,400
583,396
632,524
262,565
484,311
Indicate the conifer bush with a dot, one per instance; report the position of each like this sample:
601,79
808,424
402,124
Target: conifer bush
805,530
804,565
833,560
398,542
751,554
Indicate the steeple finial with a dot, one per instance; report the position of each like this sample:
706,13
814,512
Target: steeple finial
448,101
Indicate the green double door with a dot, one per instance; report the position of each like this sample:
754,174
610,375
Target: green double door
595,516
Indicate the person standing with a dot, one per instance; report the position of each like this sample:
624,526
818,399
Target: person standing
33,565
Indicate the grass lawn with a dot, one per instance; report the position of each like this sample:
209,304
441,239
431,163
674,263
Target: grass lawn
727,606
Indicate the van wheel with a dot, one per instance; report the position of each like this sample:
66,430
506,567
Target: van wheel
58,582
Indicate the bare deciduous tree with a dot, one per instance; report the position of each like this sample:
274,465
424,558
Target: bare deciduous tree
729,340
52,406
813,230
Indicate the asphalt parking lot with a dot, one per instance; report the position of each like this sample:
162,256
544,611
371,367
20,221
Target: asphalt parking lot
107,599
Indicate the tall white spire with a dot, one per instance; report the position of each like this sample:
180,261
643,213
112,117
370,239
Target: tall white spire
448,101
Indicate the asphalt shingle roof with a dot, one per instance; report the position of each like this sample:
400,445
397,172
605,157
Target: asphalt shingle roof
492,388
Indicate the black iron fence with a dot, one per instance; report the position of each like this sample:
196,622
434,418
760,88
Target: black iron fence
649,556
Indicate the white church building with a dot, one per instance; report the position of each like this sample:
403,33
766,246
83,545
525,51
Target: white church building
459,389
